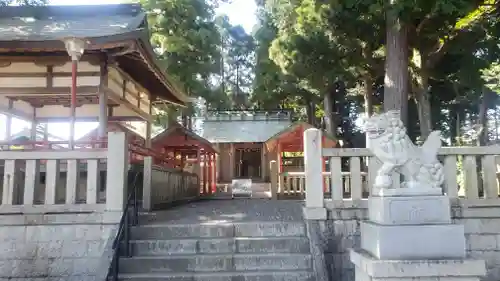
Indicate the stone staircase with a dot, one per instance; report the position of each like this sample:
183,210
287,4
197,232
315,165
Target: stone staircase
219,251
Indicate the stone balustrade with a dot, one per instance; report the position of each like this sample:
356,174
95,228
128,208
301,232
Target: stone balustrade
48,181
337,216
470,173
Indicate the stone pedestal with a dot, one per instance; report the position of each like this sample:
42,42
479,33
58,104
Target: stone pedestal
412,236
368,268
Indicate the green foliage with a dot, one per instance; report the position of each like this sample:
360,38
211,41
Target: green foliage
237,50
491,76
186,40
305,47
206,55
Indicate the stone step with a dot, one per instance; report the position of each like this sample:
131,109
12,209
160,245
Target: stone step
221,246
216,263
290,275
247,229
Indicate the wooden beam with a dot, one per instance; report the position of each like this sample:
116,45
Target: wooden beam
125,90
129,78
120,100
45,60
46,74
47,90
89,119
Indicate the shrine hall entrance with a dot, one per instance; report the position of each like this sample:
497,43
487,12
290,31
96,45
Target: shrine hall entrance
248,163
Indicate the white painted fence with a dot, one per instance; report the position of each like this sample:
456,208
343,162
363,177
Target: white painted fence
470,172
24,191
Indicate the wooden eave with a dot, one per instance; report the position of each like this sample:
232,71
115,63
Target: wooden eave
127,49
293,137
180,131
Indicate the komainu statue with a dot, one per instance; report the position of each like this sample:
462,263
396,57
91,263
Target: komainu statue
390,143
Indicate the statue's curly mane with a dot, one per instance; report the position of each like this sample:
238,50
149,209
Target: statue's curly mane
398,153
394,137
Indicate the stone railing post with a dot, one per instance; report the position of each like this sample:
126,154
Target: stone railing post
147,182
117,171
273,171
313,166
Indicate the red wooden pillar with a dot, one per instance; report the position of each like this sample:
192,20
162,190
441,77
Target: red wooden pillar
210,173
205,172
214,173
199,170
280,166
279,160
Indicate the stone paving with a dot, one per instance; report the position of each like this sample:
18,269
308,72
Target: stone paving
235,210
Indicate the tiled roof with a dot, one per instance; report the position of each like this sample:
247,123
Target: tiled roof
121,29
51,23
224,131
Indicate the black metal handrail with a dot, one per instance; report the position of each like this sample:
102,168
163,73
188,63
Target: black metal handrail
123,236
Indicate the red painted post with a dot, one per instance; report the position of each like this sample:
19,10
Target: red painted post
214,174
205,172
209,176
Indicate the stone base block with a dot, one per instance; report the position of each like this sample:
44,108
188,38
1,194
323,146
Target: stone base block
420,191
413,241
314,213
368,268
409,210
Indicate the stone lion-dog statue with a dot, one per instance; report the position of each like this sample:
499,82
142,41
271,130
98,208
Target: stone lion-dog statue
389,142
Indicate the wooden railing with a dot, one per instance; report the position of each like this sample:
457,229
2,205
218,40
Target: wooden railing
64,180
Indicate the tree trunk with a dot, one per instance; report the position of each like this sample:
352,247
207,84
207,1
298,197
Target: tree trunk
330,124
368,95
482,137
396,67
423,104
310,111
453,117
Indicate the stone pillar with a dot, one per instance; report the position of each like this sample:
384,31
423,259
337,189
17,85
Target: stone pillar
117,171
273,170
8,127
313,166
409,235
147,183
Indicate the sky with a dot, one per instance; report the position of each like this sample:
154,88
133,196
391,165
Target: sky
240,12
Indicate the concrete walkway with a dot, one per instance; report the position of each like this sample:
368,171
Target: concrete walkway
227,211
